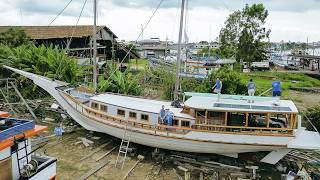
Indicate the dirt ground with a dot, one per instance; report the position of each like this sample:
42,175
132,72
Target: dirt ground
304,100
69,165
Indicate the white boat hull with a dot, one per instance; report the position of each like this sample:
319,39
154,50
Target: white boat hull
193,141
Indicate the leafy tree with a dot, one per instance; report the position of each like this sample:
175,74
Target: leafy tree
14,37
231,82
244,33
50,61
119,82
313,114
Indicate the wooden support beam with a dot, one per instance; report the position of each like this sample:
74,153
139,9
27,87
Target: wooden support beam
7,102
206,117
93,170
140,158
268,120
247,119
105,154
23,100
226,118
96,150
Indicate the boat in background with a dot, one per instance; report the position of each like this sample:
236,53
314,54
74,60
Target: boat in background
17,160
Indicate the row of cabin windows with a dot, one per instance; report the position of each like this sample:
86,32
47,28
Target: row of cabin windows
120,112
133,115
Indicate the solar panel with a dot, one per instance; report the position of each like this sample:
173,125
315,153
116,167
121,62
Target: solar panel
252,107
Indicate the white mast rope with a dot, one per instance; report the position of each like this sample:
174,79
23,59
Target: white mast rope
143,29
70,40
74,28
305,115
60,12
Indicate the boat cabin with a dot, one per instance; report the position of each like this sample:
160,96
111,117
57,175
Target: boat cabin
235,111
200,112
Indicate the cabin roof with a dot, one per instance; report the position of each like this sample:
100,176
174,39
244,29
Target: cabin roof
239,103
139,104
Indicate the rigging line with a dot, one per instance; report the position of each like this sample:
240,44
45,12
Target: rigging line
305,115
143,29
70,40
74,28
60,12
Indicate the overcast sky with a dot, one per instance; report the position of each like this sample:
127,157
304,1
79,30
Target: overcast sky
294,20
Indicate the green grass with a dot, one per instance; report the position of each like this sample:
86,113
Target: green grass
263,80
140,62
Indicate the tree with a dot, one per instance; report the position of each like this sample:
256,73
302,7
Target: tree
231,82
119,82
14,37
313,114
244,33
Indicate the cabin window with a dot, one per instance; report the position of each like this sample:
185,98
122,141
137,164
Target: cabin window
94,105
133,115
144,117
121,112
185,123
257,120
176,122
103,108
216,115
236,119
279,120
201,114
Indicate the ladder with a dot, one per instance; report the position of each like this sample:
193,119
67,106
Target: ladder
123,149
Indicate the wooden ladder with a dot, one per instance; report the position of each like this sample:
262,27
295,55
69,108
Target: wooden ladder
123,149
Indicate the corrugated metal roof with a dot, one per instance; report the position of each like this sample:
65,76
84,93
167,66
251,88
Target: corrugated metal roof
51,32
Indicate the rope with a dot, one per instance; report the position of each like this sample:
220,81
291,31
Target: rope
143,29
74,28
305,115
60,12
70,40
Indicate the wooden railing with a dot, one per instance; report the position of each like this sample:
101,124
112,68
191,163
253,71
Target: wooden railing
96,114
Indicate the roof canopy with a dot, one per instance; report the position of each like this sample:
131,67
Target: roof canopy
52,32
208,101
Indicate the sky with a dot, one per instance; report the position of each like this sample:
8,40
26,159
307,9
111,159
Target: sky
289,20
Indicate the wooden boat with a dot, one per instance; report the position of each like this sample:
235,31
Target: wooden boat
226,125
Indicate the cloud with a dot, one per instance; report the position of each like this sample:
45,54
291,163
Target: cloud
274,5
52,7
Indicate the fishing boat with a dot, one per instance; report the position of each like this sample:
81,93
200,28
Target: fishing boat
201,123
17,158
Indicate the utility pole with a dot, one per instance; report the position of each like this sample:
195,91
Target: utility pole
94,39
177,85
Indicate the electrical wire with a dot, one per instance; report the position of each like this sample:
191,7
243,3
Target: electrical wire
60,12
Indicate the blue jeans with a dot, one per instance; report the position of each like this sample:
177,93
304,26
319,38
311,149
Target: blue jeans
276,93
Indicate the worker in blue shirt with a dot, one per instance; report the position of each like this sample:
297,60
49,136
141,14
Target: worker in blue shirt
217,87
276,88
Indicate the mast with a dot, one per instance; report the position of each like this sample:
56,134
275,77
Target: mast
177,84
94,39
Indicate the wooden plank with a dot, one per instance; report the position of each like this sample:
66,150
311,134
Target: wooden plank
105,154
93,170
247,119
23,100
130,170
96,150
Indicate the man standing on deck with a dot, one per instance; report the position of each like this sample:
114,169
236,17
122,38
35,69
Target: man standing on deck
276,88
162,114
217,87
251,89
